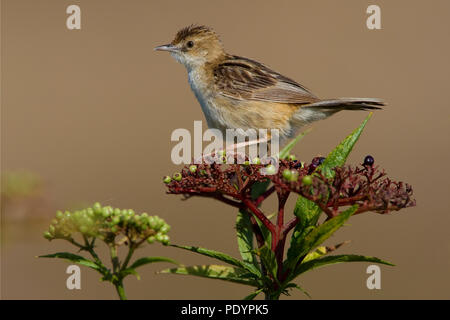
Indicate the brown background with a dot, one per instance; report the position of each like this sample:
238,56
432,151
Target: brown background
91,112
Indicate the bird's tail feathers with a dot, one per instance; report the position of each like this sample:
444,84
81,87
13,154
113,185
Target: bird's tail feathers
335,105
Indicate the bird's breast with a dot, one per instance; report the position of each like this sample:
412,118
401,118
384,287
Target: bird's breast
204,92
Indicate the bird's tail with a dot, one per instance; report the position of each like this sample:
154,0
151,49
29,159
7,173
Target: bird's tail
335,105
319,110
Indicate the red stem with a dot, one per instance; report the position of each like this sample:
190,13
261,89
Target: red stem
288,226
260,215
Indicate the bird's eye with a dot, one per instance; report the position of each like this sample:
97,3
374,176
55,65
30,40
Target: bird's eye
190,44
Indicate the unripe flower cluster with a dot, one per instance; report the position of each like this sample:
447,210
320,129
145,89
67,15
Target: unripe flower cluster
107,222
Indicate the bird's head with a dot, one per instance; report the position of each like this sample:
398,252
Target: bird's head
194,46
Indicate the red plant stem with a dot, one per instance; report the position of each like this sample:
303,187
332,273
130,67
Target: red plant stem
346,201
282,198
279,240
260,215
288,226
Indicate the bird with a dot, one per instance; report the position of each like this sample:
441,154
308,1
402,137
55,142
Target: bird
237,92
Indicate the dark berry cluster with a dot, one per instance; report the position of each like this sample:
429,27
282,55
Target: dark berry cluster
364,185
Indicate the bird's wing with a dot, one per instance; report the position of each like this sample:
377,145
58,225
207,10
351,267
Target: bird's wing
244,79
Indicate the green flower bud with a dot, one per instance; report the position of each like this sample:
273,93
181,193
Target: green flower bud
256,160
151,222
117,211
292,157
307,180
287,174
271,169
177,176
47,235
165,228
246,163
290,175
59,215
144,215
159,237
167,179
203,172
51,229
151,239
193,168
221,153
83,229
294,176
165,240
106,212
114,229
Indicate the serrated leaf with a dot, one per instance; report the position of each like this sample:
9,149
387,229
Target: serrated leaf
320,251
226,273
316,263
269,260
253,295
147,260
74,258
316,237
222,257
339,155
284,153
245,237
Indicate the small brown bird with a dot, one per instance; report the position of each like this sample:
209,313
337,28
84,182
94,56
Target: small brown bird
236,92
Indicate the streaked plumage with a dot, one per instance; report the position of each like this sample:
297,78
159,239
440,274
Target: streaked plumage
237,92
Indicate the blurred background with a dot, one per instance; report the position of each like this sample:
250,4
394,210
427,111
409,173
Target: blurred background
86,115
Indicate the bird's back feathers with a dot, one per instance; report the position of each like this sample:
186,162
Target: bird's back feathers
245,79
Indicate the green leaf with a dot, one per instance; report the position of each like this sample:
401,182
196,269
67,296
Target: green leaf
222,257
225,273
245,237
269,260
253,295
339,155
147,260
317,236
259,188
308,211
284,153
296,286
316,263
76,259
319,252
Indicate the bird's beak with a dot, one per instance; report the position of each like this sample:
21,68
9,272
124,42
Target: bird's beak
167,47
